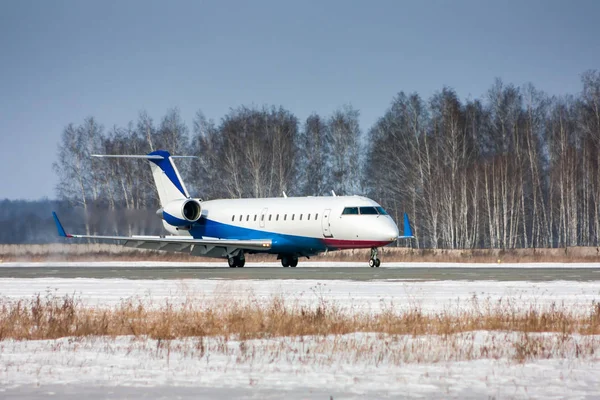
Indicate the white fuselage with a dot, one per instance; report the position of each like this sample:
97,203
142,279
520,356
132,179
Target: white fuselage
299,225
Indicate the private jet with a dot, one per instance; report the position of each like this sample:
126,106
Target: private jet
289,227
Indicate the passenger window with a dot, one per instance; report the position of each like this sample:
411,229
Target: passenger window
240,217
350,211
270,217
368,211
233,218
308,218
316,216
254,217
277,217
284,217
293,217
247,218
262,217
300,217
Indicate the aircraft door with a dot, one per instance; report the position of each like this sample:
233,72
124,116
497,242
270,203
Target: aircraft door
263,215
325,224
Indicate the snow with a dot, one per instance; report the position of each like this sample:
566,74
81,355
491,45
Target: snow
429,296
124,361
308,367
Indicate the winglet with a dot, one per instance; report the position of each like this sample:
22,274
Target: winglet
59,227
408,233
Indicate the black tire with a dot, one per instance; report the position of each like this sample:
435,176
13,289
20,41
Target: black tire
377,262
285,262
231,262
371,263
241,263
294,263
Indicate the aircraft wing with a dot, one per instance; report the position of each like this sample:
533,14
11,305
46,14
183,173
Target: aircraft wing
200,247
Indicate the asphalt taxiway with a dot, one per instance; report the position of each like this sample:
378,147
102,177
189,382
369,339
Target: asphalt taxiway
537,274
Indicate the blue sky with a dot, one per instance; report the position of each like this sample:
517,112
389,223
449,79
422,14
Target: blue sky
62,61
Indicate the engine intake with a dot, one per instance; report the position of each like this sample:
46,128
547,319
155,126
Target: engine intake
182,213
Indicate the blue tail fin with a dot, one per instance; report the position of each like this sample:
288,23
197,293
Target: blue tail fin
166,177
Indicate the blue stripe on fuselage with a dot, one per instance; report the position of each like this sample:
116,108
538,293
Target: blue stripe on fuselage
281,243
174,221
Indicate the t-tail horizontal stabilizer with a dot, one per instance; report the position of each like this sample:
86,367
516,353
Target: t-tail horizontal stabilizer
168,182
408,233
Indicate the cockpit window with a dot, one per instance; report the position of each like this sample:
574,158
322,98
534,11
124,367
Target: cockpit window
368,211
350,211
382,211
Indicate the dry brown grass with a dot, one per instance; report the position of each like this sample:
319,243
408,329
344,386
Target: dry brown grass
111,252
51,317
321,333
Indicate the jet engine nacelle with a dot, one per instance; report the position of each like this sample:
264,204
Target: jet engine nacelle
182,213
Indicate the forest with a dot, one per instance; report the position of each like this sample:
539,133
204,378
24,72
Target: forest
516,168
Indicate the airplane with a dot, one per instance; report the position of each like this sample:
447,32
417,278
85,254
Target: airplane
290,227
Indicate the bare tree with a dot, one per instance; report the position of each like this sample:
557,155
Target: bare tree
206,144
314,149
345,160
78,182
258,151
588,110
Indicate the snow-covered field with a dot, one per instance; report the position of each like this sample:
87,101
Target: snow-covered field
298,368
283,369
351,295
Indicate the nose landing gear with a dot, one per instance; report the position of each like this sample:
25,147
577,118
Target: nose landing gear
374,261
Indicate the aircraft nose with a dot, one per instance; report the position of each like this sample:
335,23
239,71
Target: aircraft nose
390,231
395,232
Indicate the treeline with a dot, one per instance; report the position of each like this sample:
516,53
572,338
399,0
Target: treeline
30,221
514,168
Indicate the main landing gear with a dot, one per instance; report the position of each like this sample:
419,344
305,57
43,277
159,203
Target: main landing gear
289,261
374,261
236,261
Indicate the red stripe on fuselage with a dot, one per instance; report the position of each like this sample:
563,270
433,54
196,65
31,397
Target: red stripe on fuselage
354,244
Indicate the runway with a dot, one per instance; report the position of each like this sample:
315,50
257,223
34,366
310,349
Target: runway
314,271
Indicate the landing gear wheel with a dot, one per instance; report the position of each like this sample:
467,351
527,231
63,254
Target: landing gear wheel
289,260
374,261
237,261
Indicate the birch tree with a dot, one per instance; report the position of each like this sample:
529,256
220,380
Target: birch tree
314,149
78,182
345,160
